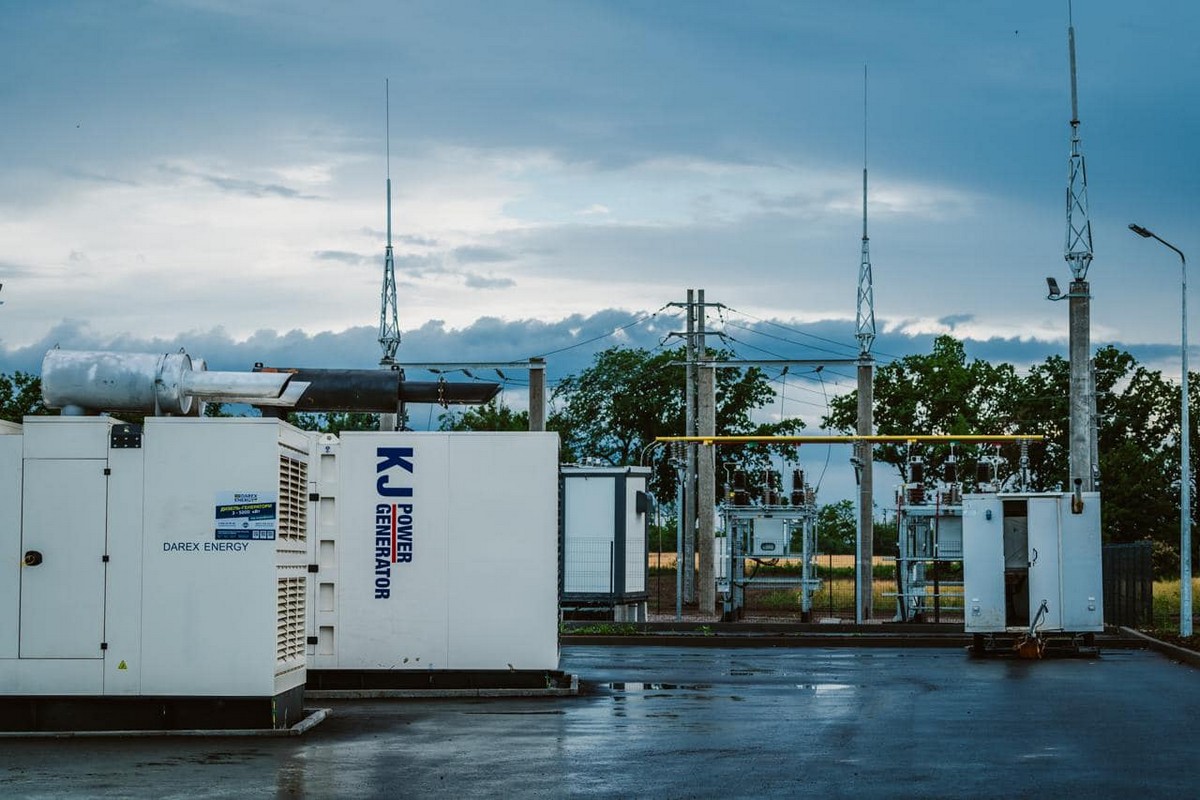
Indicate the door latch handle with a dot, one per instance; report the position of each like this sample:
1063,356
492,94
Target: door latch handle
1035,556
32,558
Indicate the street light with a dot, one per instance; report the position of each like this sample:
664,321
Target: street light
1185,508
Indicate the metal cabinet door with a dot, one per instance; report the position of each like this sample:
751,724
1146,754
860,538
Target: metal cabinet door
983,563
1045,574
65,522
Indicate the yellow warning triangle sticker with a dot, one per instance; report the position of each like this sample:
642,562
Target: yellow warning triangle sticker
122,665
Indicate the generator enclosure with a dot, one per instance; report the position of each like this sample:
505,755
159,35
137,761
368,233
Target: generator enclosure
155,575
1023,550
433,552
604,540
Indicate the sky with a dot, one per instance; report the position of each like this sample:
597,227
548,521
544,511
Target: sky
210,174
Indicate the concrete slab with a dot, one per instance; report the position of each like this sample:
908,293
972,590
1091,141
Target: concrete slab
656,721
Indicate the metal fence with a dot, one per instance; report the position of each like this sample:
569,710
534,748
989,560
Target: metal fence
1128,584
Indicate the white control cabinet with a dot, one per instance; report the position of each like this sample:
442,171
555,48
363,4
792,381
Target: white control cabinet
1023,550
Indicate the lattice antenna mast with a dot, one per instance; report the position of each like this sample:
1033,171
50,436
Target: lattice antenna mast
1078,251
865,320
389,323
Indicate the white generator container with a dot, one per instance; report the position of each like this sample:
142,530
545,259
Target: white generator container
162,567
605,526
1032,561
434,552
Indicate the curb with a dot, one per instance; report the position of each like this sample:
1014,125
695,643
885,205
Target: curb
312,718
1174,651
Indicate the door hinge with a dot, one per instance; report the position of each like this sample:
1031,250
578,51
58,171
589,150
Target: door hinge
104,645
314,568
108,471
104,558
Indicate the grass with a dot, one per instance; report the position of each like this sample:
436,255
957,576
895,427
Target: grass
1166,602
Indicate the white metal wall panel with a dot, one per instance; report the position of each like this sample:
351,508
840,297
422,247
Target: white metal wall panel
1082,571
589,523
67,437
10,539
210,618
393,614
983,564
635,536
123,593
62,598
1045,576
503,528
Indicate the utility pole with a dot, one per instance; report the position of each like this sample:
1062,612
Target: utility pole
706,413
537,394
865,333
1078,254
389,324
689,493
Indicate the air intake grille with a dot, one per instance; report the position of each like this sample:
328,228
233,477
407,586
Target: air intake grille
293,499
289,635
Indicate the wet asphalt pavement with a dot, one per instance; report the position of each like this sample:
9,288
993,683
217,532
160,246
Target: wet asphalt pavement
700,722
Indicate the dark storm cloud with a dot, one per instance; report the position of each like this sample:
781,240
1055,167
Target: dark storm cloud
476,281
485,255
242,186
344,257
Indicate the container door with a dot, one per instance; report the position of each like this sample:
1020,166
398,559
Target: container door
589,526
1082,573
63,545
1045,577
983,563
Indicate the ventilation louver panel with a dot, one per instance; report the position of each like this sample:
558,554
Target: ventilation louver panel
293,500
290,636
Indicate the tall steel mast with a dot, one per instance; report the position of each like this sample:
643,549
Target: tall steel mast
865,332
389,324
1083,456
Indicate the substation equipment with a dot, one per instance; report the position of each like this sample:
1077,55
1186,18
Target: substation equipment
765,531
604,542
929,529
189,572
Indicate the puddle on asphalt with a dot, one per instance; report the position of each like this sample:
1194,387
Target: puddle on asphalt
823,688
657,687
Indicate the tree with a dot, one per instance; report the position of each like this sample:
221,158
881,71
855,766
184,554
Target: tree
20,396
335,421
940,393
491,416
613,411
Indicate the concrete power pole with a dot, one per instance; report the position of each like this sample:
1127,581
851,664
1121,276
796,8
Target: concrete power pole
1078,254
865,333
706,413
689,490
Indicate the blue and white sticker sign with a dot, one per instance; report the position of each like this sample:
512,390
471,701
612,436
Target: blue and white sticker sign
246,515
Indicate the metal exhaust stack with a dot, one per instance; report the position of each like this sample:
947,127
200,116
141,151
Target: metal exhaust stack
88,382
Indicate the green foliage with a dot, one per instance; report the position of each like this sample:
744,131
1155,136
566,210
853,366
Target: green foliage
836,528
1137,418
335,421
492,416
613,411
21,395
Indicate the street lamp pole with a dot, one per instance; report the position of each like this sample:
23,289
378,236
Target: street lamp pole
1185,486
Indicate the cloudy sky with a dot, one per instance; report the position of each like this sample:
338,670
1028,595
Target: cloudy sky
210,174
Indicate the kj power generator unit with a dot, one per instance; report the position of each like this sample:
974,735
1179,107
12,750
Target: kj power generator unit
435,559
605,523
152,577
1032,564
